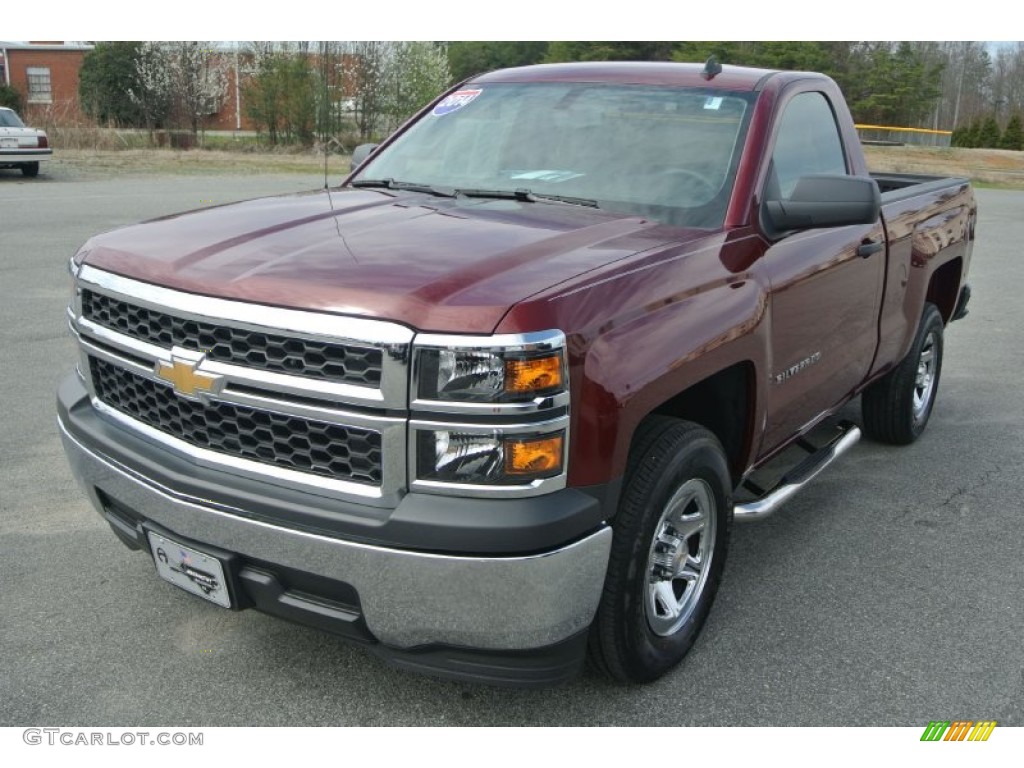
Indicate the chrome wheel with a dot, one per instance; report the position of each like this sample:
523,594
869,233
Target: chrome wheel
680,555
924,382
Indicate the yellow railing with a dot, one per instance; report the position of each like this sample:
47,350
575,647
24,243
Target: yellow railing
891,134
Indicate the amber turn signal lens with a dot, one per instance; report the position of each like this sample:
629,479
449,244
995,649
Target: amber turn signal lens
534,375
532,457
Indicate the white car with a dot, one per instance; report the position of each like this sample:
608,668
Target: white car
21,147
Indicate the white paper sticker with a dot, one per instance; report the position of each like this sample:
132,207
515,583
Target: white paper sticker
713,102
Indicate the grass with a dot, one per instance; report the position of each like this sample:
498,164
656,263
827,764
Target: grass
98,162
994,168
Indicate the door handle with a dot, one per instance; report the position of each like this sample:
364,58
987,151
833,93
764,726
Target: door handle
868,247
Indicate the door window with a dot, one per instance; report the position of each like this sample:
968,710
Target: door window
807,142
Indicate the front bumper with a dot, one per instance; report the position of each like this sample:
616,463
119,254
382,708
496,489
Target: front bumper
408,601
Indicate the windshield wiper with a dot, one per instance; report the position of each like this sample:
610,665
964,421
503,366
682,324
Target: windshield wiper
523,195
526,196
406,186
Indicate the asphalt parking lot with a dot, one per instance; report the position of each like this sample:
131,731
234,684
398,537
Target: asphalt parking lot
888,593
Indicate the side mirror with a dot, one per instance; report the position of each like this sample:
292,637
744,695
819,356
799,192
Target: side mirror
824,201
360,153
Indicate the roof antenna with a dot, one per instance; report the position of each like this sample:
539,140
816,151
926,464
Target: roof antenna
711,68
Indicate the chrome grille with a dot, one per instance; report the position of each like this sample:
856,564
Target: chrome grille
346,363
289,441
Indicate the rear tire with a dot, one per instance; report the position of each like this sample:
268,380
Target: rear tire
670,539
896,408
31,170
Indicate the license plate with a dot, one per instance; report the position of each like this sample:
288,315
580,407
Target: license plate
190,569
9,143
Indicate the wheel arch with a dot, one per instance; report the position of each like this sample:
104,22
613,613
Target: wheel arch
944,287
724,404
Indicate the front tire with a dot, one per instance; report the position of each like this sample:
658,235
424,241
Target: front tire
896,408
30,170
668,551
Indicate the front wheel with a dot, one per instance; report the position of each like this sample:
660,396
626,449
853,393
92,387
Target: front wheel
668,551
896,408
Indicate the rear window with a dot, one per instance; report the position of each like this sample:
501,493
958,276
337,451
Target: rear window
10,120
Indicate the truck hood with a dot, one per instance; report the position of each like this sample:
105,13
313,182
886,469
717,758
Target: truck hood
432,263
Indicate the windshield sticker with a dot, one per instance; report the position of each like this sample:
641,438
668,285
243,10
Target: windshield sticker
713,102
545,175
455,101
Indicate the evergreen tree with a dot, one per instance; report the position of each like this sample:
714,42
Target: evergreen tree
1013,136
9,97
609,51
988,135
972,133
107,76
469,58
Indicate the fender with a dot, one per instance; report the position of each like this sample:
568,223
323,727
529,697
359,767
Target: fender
648,331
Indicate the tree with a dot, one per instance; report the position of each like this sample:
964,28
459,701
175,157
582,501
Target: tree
199,81
810,56
469,58
107,76
153,89
281,95
416,72
9,97
1013,136
609,51
891,85
988,136
365,69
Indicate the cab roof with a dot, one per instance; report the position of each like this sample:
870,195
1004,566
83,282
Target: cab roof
638,72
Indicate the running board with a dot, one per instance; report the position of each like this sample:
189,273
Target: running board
799,476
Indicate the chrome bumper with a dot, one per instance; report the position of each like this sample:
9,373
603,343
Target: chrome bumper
25,155
408,599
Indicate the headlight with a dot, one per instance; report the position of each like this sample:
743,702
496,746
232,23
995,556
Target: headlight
529,366
490,414
489,458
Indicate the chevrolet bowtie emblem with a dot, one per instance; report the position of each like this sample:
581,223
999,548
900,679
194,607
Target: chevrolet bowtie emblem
181,373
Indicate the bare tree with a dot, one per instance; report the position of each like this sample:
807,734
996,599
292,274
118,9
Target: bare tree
365,69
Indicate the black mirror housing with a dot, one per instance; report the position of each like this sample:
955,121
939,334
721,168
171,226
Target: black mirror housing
360,153
824,201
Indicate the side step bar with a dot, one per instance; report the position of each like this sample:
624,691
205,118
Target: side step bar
799,476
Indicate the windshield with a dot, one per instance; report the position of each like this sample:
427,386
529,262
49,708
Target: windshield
9,120
668,154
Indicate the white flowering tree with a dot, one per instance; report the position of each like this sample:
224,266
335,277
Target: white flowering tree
417,72
391,80
199,74
155,87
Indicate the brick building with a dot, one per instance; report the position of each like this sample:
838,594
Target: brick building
45,74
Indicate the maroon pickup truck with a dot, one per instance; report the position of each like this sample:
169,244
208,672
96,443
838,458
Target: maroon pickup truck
497,398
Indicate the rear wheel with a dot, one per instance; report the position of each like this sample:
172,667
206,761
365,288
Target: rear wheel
896,408
30,169
668,551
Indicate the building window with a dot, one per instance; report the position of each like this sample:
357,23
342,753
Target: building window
39,85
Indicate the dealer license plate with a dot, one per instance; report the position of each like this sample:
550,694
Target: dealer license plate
190,569
8,143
